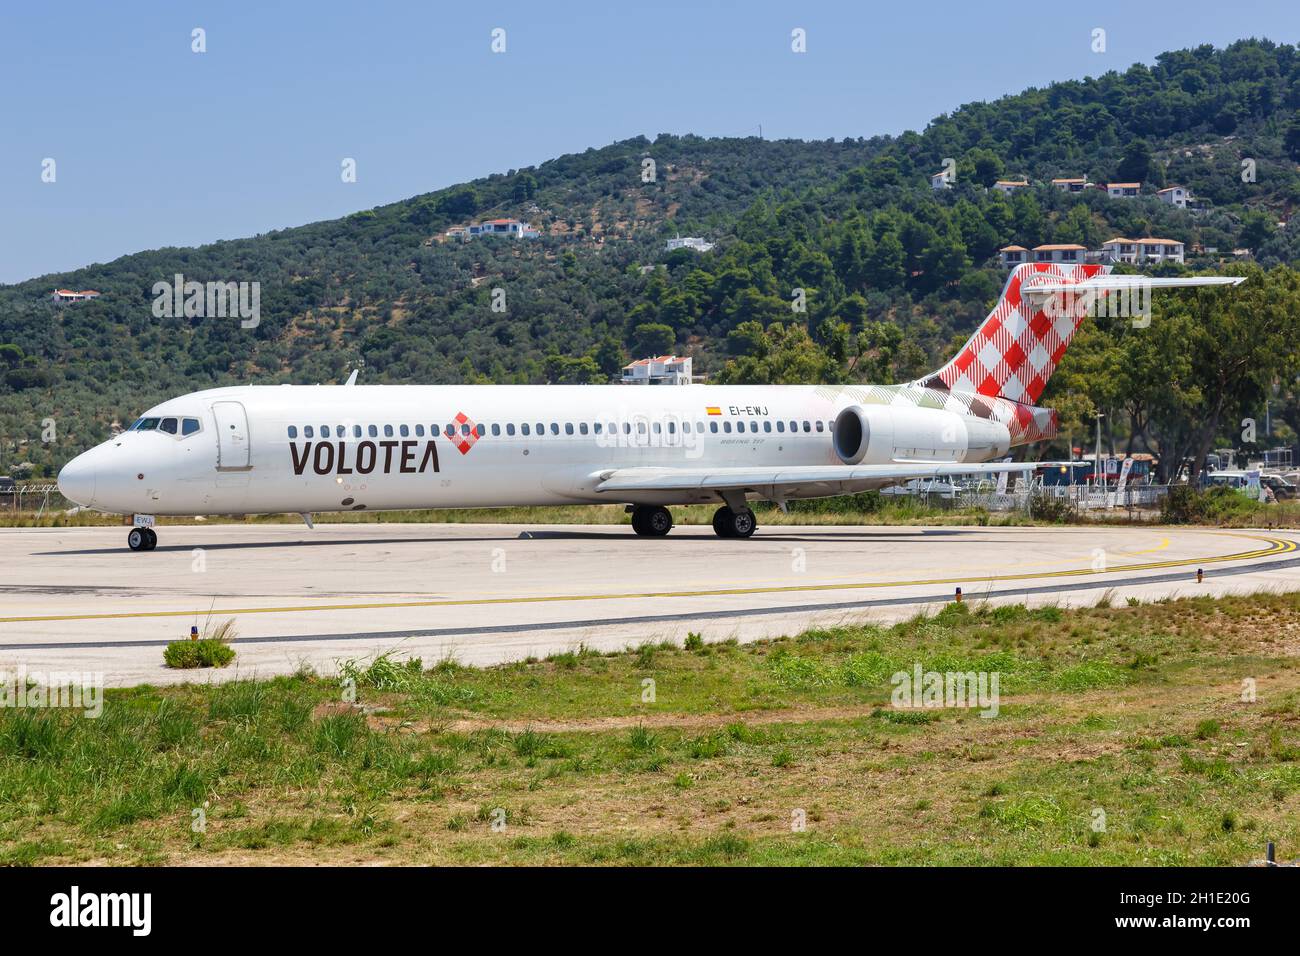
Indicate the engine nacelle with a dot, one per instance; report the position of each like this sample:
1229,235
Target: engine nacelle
880,434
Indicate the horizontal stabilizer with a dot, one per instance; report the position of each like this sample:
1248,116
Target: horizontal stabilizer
1114,283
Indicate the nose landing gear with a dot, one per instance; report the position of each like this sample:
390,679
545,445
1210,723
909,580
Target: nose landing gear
142,539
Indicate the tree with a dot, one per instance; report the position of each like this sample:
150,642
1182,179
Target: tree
779,355
1256,228
653,338
1291,140
1135,165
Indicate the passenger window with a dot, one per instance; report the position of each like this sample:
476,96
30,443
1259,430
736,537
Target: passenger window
189,426
713,427
403,431
449,431
308,432
640,428
464,429
568,428
356,431
806,426
480,430
726,427
524,428
767,426
555,428
627,428
794,426
496,429
686,428
672,428
372,431
510,428
293,431
388,431
596,428
780,426
419,431
541,429
582,428
819,424
753,426
657,428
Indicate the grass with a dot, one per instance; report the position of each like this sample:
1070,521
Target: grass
1134,711
1224,508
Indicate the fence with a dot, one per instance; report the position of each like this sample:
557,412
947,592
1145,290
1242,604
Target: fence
38,497
984,494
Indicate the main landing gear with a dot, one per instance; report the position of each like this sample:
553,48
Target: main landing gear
142,539
652,520
734,524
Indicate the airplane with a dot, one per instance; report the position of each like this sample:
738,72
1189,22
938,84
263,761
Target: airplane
253,449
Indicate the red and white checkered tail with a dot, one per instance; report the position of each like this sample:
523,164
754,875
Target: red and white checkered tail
1017,348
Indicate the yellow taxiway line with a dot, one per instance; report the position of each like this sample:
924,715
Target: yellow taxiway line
1275,546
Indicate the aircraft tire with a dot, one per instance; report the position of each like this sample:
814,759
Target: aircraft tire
740,524
652,521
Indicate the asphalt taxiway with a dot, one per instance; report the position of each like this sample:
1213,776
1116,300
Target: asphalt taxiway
77,600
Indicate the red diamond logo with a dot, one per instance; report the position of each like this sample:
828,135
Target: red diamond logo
462,433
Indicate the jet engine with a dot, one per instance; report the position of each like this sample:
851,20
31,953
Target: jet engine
880,434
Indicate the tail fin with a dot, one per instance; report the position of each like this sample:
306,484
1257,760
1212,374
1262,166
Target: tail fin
1017,348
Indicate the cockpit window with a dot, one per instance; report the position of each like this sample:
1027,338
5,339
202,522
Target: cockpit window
147,425
189,426
167,425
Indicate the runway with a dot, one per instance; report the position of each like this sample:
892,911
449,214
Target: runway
77,600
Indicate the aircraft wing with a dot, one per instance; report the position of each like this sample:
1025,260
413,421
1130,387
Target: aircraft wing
843,478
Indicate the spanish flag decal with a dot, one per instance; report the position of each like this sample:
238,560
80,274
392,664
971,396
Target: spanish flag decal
713,409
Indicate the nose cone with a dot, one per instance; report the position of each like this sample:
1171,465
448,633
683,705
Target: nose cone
77,480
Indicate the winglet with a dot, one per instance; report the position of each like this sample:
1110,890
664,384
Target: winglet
352,379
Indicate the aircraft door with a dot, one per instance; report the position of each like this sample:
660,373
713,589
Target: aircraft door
234,448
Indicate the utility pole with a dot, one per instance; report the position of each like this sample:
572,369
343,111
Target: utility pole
1097,474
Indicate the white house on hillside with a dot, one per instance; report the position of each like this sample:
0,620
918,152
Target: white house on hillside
1011,256
1123,190
67,295
513,228
689,242
1071,185
1140,251
1010,185
658,370
1178,196
940,180
1067,252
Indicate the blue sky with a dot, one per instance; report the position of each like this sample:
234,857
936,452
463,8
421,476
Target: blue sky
156,145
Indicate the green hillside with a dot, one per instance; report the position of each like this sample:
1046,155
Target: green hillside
893,272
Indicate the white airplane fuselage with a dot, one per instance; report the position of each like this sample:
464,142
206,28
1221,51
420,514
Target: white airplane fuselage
274,449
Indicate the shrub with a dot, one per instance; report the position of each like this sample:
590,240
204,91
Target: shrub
1186,504
1048,508
208,652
